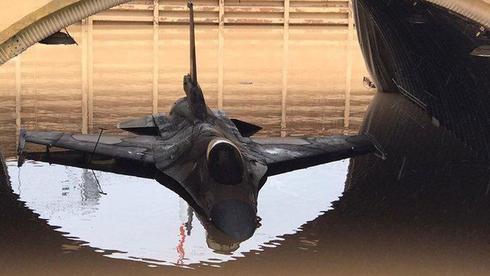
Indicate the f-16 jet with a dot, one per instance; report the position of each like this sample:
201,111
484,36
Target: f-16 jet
214,162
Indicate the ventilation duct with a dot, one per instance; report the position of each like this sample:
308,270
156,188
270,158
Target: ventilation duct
46,21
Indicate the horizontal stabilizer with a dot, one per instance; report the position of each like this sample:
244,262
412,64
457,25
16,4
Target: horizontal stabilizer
141,126
246,129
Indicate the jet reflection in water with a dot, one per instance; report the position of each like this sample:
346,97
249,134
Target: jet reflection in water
138,220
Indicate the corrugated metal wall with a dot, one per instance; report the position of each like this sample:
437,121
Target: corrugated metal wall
253,75
7,106
286,65
122,72
50,87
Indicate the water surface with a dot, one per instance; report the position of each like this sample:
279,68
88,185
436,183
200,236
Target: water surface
142,220
421,211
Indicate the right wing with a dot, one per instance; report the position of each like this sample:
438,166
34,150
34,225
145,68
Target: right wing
288,153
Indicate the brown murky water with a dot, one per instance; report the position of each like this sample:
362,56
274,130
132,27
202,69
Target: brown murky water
422,211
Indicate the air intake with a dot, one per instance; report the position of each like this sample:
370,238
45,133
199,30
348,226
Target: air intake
224,162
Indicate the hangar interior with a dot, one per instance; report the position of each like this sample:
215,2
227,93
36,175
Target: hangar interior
293,67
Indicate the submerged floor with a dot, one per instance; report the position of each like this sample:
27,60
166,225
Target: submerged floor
423,210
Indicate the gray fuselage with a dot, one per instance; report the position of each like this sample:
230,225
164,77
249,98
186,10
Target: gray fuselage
218,167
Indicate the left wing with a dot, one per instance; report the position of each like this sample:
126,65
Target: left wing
139,148
289,153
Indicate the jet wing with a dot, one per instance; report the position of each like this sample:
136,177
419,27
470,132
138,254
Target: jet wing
289,153
138,148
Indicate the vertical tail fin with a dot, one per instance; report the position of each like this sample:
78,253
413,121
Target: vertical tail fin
191,86
192,37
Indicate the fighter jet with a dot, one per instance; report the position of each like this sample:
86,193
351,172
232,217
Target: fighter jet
211,160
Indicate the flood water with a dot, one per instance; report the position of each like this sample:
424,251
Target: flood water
154,225
421,211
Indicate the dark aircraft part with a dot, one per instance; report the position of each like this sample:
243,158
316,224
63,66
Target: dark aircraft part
141,126
138,148
246,129
481,51
58,38
234,218
150,131
288,154
195,98
192,39
224,162
191,85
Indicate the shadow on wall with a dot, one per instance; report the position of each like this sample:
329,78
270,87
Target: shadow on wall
424,52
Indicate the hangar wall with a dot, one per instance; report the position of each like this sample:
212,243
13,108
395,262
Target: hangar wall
293,67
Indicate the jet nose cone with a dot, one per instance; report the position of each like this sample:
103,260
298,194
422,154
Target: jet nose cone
234,218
